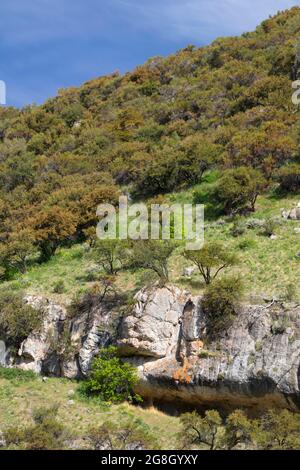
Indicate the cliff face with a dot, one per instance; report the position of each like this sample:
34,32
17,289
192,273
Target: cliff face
255,364
63,346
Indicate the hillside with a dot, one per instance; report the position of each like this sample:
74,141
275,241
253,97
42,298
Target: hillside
155,130
214,125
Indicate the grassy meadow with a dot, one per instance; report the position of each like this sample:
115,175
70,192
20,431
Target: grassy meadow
19,397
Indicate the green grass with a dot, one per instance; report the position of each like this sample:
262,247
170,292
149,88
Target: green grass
267,266
70,265
17,375
17,403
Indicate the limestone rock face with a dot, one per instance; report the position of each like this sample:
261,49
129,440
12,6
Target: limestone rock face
62,346
88,332
255,364
152,329
35,349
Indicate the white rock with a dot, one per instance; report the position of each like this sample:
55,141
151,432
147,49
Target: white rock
153,327
189,271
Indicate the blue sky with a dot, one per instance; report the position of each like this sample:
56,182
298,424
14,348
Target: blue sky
50,44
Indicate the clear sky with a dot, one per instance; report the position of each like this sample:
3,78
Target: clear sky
50,44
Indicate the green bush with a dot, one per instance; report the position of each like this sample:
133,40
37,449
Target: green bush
17,375
17,319
238,228
153,255
238,188
246,244
111,379
47,433
133,434
211,260
279,430
110,254
220,303
289,177
59,287
290,292
268,227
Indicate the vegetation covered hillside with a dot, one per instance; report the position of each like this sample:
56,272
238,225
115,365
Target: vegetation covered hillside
223,110
214,125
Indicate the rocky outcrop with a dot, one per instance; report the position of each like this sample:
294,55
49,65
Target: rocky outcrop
292,214
63,346
255,364
152,329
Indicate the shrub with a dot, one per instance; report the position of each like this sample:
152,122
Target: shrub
290,292
133,434
246,244
210,431
102,290
111,379
238,429
289,177
201,431
47,433
268,227
110,254
279,430
153,255
238,228
220,304
59,287
17,319
211,260
238,189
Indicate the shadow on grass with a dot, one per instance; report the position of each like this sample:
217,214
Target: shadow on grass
205,195
277,194
194,283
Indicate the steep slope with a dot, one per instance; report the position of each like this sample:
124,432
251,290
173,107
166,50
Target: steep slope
150,131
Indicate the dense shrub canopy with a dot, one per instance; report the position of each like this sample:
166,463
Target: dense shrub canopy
17,319
150,131
111,379
289,177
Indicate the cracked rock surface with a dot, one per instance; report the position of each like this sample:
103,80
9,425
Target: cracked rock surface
255,364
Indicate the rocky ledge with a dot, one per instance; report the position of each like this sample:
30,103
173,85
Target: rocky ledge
255,364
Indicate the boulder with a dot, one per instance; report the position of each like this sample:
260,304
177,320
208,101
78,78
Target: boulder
153,326
292,214
189,271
